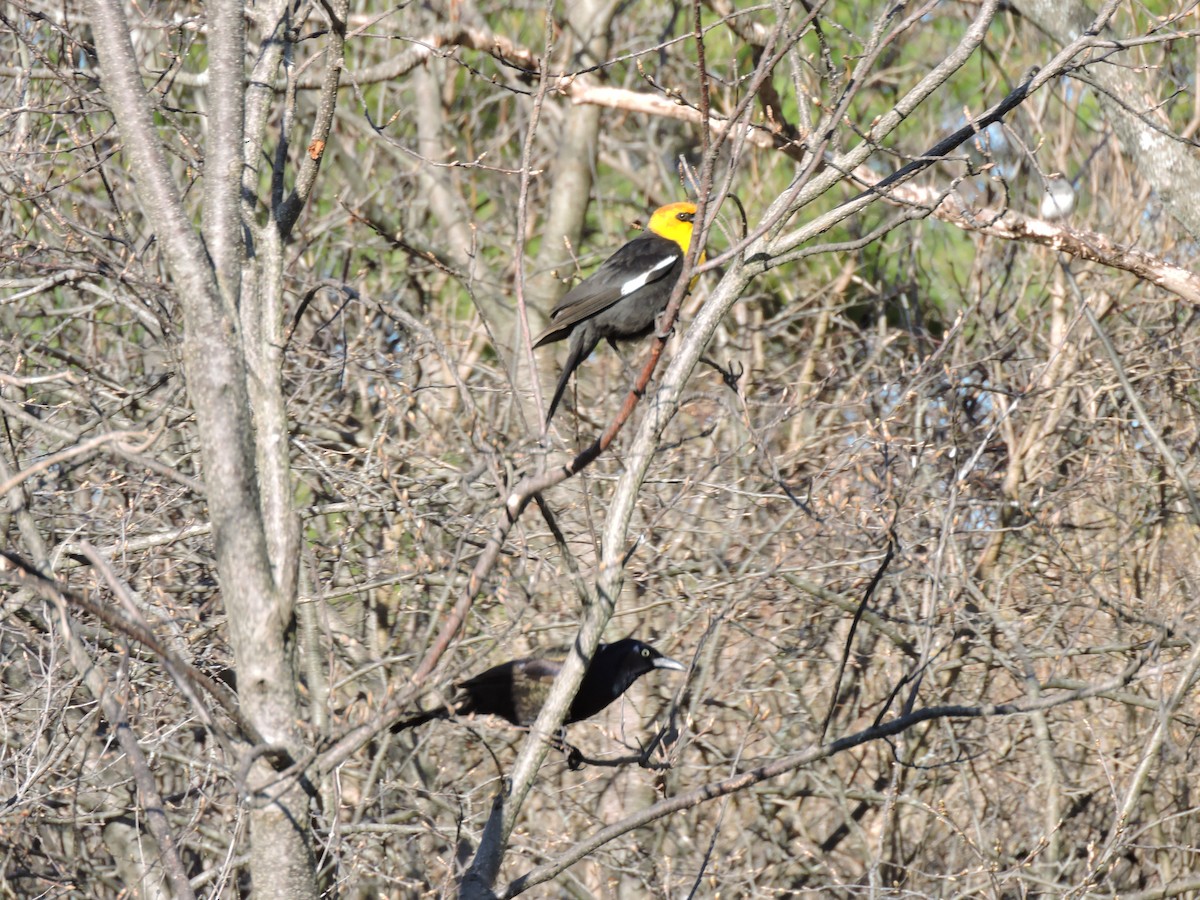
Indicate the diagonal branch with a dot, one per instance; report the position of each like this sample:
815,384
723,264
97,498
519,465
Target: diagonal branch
791,762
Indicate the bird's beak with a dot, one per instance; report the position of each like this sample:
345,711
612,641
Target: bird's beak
665,662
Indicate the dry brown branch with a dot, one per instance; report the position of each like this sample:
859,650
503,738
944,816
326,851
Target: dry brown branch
17,572
581,91
83,448
1092,246
743,780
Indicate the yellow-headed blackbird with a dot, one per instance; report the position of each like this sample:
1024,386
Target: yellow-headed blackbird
622,299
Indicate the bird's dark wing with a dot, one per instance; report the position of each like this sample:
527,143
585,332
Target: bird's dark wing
490,692
531,683
513,690
645,260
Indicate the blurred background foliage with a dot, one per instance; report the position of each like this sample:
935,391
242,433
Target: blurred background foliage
935,385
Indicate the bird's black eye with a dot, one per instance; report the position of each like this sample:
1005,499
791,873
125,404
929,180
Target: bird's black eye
686,217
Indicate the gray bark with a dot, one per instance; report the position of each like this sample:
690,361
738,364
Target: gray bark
259,604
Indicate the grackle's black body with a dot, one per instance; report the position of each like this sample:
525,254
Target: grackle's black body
515,690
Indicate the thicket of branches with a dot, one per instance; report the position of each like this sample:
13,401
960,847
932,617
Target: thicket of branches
910,490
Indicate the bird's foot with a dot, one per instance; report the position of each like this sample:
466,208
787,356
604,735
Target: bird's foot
730,376
575,759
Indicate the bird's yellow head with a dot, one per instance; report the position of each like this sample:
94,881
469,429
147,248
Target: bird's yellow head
674,222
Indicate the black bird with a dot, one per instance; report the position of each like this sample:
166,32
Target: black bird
622,298
515,690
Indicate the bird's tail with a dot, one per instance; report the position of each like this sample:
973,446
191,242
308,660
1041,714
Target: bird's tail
582,344
420,719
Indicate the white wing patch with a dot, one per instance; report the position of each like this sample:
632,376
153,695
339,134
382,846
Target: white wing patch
640,281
